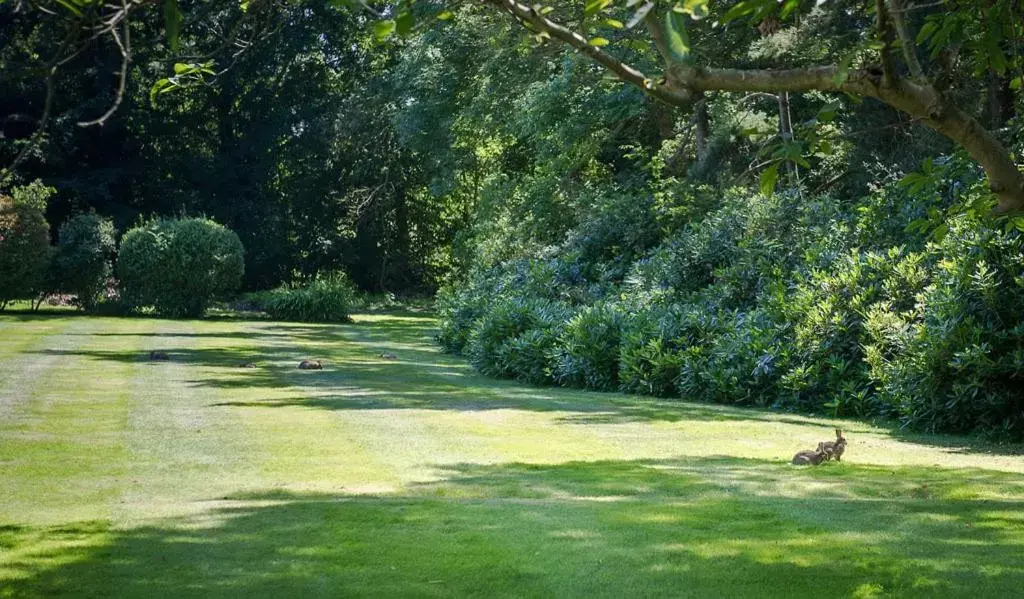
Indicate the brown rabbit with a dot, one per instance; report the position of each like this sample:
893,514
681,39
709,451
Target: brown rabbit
834,449
311,365
808,457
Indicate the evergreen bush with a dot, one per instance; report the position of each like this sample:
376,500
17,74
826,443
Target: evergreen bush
25,251
179,266
82,262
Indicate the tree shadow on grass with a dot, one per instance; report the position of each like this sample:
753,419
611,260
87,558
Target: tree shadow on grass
356,377
582,529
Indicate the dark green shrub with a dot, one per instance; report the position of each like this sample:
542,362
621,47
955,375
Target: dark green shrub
504,321
587,354
808,304
82,262
827,312
738,362
955,362
25,251
459,309
179,266
652,345
328,297
528,357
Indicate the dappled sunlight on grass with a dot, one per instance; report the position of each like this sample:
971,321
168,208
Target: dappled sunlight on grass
415,476
590,528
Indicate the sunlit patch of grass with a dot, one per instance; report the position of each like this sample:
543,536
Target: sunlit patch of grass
416,477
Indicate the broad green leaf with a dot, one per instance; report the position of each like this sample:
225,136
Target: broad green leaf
445,15
676,36
844,68
598,41
769,178
160,86
926,31
739,9
614,23
827,113
181,68
172,23
404,22
595,6
382,30
788,7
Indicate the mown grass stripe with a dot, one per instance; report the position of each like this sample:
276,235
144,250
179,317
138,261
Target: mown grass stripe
413,477
65,437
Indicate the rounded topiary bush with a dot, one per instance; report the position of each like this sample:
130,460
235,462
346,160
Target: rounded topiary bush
24,242
82,263
179,266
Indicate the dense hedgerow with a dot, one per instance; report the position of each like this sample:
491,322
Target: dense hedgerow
809,304
586,353
515,338
955,360
179,266
653,346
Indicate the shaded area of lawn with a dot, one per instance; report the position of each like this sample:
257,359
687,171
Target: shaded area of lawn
416,477
355,376
712,527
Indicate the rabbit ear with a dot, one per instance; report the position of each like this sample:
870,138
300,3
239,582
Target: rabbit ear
839,433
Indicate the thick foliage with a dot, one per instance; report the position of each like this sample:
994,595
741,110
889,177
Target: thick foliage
179,266
327,297
24,242
82,262
788,302
955,360
587,353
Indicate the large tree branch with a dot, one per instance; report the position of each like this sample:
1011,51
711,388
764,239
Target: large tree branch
682,83
623,71
658,35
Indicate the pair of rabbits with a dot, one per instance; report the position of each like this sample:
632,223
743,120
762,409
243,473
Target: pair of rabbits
826,451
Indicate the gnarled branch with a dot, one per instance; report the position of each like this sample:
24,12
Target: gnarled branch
683,82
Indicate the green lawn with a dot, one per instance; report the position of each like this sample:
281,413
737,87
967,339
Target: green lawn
415,477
